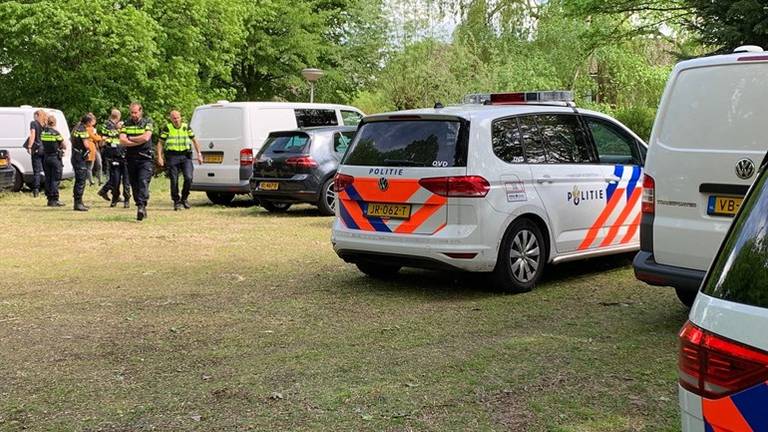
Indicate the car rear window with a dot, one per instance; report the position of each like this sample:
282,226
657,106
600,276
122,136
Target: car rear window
286,143
417,143
740,272
218,123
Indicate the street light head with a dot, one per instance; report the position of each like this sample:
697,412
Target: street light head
311,74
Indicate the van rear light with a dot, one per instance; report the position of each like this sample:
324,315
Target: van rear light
713,367
460,186
341,181
301,162
246,157
649,195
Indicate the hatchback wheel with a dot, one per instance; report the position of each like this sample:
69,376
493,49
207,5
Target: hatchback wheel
327,203
18,181
275,207
521,259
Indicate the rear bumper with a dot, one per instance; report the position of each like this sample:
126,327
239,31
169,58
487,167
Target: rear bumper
691,415
354,257
6,177
240,188
303,190
653,273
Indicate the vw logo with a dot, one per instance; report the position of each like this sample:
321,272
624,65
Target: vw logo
745,168
383,184
210,145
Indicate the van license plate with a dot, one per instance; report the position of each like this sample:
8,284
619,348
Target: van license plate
395,211
213,157
269,186
723,205
3,163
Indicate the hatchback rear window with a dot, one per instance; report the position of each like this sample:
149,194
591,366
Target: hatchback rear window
740,272
412,143
293,143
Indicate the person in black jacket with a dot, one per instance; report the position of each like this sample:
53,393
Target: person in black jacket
136,136
114,158
53,150
35,148
80,149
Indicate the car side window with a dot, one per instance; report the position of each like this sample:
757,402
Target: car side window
564,139
506,140
613,145
533,143
351,118
341,142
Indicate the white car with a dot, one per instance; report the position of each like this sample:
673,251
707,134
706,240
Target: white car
723,361
506,187
231,133
707,140
14,132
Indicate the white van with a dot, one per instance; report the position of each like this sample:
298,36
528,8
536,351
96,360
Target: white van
708,140
231,133
14,132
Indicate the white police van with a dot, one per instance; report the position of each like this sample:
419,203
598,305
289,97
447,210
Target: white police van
505,184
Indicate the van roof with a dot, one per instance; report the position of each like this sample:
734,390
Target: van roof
26,108
716,60
261,105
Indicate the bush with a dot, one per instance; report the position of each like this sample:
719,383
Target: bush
639,119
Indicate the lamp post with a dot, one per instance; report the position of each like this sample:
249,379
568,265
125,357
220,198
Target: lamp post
312,75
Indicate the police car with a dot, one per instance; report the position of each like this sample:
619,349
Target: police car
504,183
723,357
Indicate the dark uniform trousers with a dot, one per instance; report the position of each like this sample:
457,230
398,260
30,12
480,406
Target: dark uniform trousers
38,160
140,170
177,162
118,173
80,166
52,167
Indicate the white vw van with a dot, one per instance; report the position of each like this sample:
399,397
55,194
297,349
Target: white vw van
231,133
14,132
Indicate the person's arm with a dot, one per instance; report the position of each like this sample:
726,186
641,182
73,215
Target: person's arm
32,137
197,149
126,142
160,161
141,139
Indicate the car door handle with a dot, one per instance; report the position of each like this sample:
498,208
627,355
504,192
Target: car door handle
544,179
612,179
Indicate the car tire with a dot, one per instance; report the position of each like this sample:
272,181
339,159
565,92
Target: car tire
378,271
522,257
686,296
275,207
18,181
327,203
221,198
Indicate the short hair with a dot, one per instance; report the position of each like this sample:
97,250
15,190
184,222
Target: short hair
114,114
41,114
136,104
50,121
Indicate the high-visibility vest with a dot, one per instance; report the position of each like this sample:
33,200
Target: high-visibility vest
177,140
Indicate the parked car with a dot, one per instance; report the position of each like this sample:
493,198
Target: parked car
506,186
723,361
298,167
14,132
707,139
7,172
231,133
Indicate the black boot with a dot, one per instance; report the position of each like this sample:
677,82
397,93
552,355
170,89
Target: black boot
141,213
113,203
35,193
104,194
177,206
80,207
127,203
185,203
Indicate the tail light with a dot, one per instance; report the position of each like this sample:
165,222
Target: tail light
246,157
713,367
341,181
301,162
649,195
461,186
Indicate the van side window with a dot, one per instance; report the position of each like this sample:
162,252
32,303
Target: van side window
341,141
533,143
564,138
613,145
351,118
506,140
316,117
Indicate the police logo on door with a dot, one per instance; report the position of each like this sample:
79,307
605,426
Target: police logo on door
745,168
383,184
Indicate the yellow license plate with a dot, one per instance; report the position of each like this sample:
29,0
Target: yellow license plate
269,186
3,163
213,158
395,211
723,205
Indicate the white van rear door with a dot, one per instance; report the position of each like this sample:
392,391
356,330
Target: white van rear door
221,132
711,122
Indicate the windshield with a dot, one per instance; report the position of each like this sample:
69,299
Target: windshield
418,143
291,143
740,271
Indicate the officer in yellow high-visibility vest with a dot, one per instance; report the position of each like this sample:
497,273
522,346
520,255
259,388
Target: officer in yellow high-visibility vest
174,150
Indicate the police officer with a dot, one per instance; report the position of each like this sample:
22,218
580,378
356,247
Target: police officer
80,149
35,149
136,136
114,158
53,151
174,150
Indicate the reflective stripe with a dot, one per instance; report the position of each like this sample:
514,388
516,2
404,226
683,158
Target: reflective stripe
177,140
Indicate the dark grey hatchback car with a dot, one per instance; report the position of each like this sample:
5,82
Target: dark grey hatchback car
298,166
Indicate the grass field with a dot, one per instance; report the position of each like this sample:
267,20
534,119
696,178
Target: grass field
221,318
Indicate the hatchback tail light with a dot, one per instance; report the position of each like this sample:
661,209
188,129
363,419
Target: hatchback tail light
713,367
301,162
649,195
460,186
341,181
246,157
